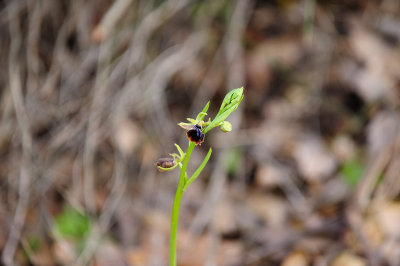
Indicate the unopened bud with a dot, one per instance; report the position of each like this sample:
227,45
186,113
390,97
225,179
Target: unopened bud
226,126
163,164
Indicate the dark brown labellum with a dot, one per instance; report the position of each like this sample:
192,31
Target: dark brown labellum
166,162
195,135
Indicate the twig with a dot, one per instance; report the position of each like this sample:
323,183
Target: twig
23,121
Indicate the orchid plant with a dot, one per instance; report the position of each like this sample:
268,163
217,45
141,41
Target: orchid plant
196,131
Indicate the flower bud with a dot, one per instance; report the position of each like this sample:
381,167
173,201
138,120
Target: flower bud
164,164
225,126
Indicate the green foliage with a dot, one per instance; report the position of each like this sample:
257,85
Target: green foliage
229,104
34,243
352,172
198,170
233,161
203,113
72,224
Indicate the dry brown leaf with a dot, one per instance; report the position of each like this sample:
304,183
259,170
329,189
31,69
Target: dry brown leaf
64,252
110,254
344,148
313,159
192,250
348,259
270,176
274,210
333,191
224,218
372,231
388,217
296,258
229,253
137,256
127,136
382,131
157,221
372,81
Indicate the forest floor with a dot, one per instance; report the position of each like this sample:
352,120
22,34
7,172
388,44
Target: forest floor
91,92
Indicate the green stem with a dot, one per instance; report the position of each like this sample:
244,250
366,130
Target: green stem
176,205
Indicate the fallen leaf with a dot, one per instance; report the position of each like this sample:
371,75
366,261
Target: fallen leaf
348,259
313,159
296,258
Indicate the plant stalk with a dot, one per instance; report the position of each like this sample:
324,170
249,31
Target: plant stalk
176,206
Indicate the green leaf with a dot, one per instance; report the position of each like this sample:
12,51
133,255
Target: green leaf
352,172
232,98
205,109
72,224
219,119
229,104
198,170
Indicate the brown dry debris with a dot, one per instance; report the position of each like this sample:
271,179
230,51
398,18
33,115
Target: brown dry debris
90,95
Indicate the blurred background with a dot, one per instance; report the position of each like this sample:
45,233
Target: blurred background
91,92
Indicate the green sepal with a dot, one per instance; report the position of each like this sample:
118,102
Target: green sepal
162,169
200,117
185,126
205,124
203,113
192,121
181,153
175,156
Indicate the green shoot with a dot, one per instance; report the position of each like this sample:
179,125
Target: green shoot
196,130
